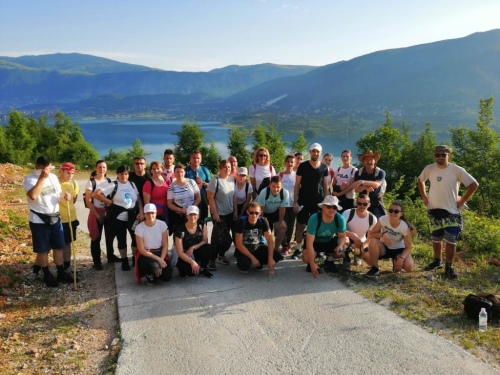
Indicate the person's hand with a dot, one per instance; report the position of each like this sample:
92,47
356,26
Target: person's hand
189,252
163,264
183,210
158,272
140,216
370,189
398,264
215,217
199,181
67,196
100,219
296,207
460,202
386,240
235,216
271,264
340,247
255,261
426,201
314,270
195,268
335,194
45,173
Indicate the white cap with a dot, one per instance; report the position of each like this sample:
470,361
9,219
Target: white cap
193,210
243,170
150,207
315,146
330,200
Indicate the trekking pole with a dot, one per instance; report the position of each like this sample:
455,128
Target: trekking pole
73,250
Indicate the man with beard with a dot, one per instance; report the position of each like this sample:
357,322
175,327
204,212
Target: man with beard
195,171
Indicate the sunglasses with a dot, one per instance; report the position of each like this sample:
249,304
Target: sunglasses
262,156
330,207
253,213
362,204
391,211
440,155
140,163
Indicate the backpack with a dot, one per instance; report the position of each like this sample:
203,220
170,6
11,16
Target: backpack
221,239
473,304
94,185
260,220
266,181
320,220
268,193
351,216
383,186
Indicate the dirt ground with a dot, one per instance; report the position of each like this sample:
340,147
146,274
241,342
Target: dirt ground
50,330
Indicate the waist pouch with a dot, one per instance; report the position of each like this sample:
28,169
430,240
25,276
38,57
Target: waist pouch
49,219
439,213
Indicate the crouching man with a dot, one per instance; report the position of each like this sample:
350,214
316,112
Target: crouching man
326,233
254,241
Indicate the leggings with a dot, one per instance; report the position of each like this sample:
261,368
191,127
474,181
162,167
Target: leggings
148,266
201,255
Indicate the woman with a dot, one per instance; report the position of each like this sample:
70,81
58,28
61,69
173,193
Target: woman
391,239
191,245
261,171
343,180
242,193
288,177
220,193
152,245
123,207
182,193
156,191
96,220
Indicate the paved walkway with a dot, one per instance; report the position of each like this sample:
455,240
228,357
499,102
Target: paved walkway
291,324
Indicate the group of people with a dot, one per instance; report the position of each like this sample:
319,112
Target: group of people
340,211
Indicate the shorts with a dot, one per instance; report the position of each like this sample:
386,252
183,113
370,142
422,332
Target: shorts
391,253
46,237
447,228
67,233
306,212
325,247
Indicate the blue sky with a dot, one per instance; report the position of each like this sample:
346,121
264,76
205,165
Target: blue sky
189,35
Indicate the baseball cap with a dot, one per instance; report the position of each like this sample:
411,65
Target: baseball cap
193,210
69,167
150,207
315,146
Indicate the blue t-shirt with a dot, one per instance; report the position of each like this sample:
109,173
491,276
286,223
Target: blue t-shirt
273,202
326,232
204,174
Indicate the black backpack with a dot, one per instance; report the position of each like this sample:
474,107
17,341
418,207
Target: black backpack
473,305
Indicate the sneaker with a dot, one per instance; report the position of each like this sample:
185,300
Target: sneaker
321,256
150,280
296,255
114,259
357,261
98,267
346,264
449,272
330,266
50,281
212,266
244,271
374,271
259,268
437,264
223,260
205,272
285,250
125,265
65,278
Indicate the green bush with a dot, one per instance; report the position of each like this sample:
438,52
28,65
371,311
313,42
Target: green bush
480,235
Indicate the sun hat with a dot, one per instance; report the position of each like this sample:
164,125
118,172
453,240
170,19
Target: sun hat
442,148
193,210
370,154
330,200
150,207
68,167
315,146
243,170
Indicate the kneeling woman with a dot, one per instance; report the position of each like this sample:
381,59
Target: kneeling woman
191,244
152,244
391,239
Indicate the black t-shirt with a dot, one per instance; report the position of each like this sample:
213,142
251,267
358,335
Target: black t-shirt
252,234
311,183
139,182
189,239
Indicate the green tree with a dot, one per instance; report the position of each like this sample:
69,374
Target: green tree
259,138
270,138
21,143
478,152
300,144
211,157
190,139
237,146
114,158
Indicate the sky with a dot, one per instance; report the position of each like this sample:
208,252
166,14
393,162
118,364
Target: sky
191,35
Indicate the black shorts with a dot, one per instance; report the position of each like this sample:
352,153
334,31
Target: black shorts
391,253
325,247
306,212
67,232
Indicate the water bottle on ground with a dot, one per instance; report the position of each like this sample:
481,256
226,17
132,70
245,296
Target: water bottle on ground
483,320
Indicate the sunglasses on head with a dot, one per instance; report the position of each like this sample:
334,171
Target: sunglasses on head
362,204
330,207
391,211
254,213
440,155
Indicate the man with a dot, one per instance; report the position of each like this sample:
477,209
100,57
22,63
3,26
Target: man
358,222
195,171
370,180
168,164
298,159
67,209
326,233
311,181
254,241
44,193
274,200
234,167
443,203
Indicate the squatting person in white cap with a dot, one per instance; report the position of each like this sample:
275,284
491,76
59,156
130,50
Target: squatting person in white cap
326,233
310,183
152,244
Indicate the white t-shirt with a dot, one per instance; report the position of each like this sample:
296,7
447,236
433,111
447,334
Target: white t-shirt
359,225
443,192
344,175
168,173
98,185
289,185
241,196
259,172
183,196
395,234
48,200
152,236
126,196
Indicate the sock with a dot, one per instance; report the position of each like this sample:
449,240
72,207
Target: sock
66,264
36,269
60,270
299,246
439,260
46,272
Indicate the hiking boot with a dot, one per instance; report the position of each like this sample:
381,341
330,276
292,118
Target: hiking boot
374,271
212,266
98,266
205,272
330,266
296,254
65,278
125,265
114,259
50,281
150,280
436,264
449,272
357,261
223,260
346,264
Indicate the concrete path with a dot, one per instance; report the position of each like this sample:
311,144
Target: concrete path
291,324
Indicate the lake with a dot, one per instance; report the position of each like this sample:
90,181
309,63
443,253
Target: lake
156,136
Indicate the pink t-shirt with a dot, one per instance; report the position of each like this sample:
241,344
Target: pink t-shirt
159,195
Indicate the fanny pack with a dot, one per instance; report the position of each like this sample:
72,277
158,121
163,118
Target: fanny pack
49,219
439,213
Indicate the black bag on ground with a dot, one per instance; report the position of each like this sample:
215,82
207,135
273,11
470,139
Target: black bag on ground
473,305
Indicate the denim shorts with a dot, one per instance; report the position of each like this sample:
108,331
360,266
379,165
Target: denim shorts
46,237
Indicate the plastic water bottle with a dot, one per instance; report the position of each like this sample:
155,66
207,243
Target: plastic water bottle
483,320
300,208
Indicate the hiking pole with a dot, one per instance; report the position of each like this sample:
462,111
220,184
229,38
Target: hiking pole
73,250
